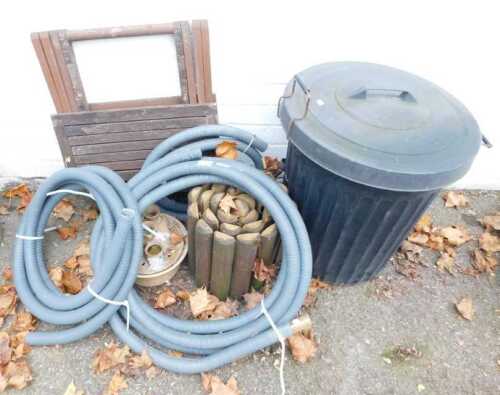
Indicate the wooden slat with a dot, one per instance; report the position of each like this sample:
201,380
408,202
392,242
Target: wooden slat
52,62
114,147
121,31
207,69
115,105
198,60
121,137
136,114
181,66
47,73
124,165
55,38
63,143
134,126
110,157
188,62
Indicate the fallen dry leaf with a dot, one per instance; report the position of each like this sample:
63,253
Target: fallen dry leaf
201,301
151,372
24,322
424,223
418,238
17,374
64,210
455,199
22,192
315,285
455,235
215,386
483,262
465,308
489,242
227,150
4,210
302,347
272,165
89,214
56,275
491,222
71,390
140,361
165,299
117,383
8,299
19,346
83,248
109,357
262,272
183,295
223,310
5,350
67,232
252,299
445,263
71,282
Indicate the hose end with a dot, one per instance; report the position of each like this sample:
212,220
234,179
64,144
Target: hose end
301,324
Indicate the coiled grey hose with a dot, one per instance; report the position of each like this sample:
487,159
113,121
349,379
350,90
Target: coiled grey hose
116,249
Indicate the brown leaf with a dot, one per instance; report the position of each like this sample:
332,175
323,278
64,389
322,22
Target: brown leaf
4,210
117,383
165,299
224,310
71,390
89,214
18,345
302,347
83,248
64,210
21,191
201,301
465,308
109,357
56,275
424,224
314,286
489,242
183,295
262,272
272,165
227,204
67,232
152,372
71,282
418,238
483,262
175,238
84,265
227,150
8,299
455,235
445,262
17,374
491,221
7,273
455,199
5,350
140,361
215,386
252,299
24,322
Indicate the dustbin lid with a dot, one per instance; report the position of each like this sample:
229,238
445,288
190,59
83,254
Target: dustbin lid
379,126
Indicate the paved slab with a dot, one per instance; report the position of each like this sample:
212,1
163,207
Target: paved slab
357,328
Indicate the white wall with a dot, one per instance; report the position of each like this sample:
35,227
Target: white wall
256,48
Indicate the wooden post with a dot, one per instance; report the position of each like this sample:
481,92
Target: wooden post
268,239
211,219
204,200
215,200
222,264
246,251
230,229
194,194
253,227
192,217
252,216
203,252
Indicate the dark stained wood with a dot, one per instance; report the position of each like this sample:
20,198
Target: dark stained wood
181,62
63,143
222,264
192,217
56,37
124,165
203,238
198,61
109,157
121,137
207,69
113,105
269,237
136,114
114,147
188,61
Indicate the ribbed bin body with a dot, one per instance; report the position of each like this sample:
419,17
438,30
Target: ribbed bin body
354,229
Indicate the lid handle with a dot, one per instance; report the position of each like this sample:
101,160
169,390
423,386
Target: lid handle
364,93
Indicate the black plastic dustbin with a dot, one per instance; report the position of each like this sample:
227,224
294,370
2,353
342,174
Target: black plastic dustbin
369,148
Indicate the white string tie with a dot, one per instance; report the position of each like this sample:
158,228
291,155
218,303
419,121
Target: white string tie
281,340
24,237
156,234
249,144
89,195
113,302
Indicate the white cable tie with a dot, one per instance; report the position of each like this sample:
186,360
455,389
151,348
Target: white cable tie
249,144
281,340
89,195
50,229
113,302
24,237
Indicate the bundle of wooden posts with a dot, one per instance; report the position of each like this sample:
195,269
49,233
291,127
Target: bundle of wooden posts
228,231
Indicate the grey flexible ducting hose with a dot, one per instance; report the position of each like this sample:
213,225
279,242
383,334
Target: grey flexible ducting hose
168,169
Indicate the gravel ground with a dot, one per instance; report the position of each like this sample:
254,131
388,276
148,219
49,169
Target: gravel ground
357,327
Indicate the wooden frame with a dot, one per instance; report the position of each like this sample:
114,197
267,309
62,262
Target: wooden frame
56,56
121,139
